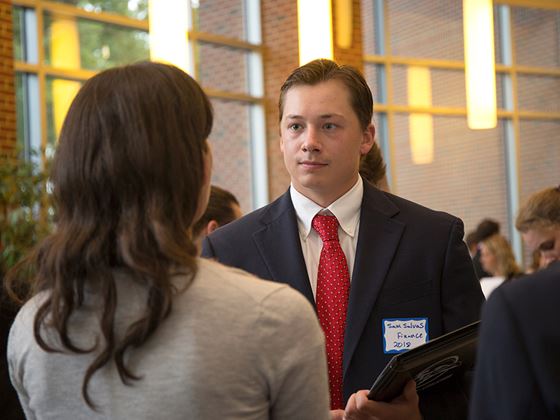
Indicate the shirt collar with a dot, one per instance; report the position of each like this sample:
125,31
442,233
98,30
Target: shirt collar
346,209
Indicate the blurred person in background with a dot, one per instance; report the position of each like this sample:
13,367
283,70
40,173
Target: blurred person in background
517,373
497,259
125,321
485,229
373,168
222,209
539,223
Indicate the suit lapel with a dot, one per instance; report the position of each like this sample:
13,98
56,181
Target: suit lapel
378,239
280,247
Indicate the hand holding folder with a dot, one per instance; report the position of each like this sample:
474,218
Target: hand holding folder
428,364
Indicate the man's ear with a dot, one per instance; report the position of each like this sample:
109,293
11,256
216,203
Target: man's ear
211,226
368,137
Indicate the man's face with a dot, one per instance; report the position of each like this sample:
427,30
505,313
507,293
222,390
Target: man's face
546,240
322,141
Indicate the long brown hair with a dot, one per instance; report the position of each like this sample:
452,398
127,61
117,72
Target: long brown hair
127,175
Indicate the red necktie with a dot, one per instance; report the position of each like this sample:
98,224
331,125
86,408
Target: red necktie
333,285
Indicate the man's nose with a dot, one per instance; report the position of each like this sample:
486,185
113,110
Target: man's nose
312,140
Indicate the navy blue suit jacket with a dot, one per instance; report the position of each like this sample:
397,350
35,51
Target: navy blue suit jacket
518,367
410,262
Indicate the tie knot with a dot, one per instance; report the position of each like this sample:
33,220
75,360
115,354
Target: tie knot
326,227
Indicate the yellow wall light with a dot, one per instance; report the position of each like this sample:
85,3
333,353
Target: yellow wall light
421,126
169,32
343,22
65,53
480,73
314,30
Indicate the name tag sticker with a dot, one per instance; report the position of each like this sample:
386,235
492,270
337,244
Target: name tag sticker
400,335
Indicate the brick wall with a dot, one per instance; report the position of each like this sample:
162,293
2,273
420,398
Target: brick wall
280,57
7,89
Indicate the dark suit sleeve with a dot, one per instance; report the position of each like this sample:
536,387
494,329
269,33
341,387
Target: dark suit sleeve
462,296
502,383
207,249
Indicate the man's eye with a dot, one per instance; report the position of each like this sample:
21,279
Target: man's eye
547,246
294,127
329,126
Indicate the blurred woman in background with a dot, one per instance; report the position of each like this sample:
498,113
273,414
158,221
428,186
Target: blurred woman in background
497,259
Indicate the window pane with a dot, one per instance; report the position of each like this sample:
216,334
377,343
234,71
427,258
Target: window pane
221,17
539,93
452,182
100,45
374,75
536,34
137,9
231,146
221,67
21,114
426,28
368,26
17,18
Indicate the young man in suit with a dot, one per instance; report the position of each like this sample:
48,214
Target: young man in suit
405,268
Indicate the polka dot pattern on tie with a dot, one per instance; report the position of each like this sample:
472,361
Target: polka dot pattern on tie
333,287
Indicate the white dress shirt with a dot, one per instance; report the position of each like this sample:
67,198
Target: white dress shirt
346,209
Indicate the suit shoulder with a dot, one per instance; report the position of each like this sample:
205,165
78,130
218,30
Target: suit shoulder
534,289
412,209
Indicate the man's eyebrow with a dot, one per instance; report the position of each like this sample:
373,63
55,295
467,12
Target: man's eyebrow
324,116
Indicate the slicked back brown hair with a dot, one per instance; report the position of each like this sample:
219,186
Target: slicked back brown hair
127,176
323,70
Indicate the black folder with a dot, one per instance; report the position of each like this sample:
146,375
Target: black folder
428,364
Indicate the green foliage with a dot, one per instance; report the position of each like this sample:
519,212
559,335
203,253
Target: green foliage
25,212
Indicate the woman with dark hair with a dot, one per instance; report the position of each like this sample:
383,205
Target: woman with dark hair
125,321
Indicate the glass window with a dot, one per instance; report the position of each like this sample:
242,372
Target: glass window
368,21
19,48
231,146
536,37
21,110
229,22
468,191
222,67
539,93
98,45
374,75
426,28
137,9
